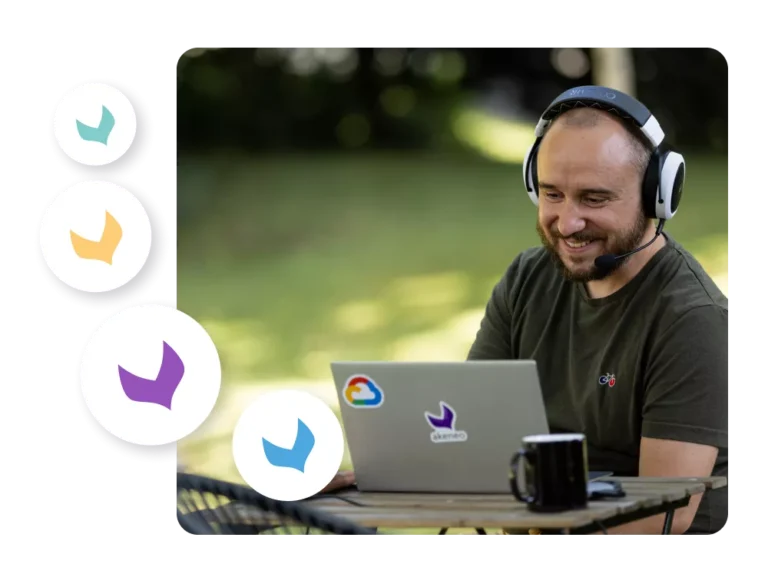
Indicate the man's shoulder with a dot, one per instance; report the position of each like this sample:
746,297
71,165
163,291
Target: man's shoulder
689,287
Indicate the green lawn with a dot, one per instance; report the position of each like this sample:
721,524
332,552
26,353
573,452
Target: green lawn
300,261
347,257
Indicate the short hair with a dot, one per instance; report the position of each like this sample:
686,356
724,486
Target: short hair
587,117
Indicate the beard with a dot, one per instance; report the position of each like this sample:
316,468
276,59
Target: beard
618,243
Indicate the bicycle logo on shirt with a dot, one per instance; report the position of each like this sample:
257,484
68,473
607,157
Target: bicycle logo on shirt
608,378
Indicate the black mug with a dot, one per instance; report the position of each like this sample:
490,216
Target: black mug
556,472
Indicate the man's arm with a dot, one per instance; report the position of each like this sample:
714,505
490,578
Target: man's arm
685,416
493,340
670,458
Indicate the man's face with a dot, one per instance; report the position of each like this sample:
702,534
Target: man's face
589,197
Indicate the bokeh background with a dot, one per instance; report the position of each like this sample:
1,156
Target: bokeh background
343,204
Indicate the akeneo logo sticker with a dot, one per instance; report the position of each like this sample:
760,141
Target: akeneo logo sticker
444,425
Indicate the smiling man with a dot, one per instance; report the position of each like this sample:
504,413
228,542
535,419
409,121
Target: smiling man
632,351
589,197
629,333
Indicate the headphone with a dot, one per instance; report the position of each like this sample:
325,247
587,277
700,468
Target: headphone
662,186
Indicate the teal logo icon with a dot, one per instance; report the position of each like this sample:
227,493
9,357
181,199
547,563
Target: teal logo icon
295,457
101,132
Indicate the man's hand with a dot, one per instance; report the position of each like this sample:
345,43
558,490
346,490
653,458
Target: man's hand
343,479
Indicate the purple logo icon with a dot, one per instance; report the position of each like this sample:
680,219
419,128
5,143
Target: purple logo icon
155,391
444,425
447,419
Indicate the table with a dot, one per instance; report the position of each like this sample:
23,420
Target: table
645,497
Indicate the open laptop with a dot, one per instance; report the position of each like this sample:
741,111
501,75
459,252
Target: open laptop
437,427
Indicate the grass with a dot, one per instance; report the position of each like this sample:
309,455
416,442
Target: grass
298,261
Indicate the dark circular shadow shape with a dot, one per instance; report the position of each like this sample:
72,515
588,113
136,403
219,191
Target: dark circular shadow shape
152,454
141,282
128,162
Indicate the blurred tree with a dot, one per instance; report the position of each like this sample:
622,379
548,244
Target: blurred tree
308,99
687,90
614,68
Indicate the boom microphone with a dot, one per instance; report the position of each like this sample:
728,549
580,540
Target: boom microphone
609,262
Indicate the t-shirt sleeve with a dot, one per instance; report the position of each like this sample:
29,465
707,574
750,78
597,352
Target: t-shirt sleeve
493,339
686,397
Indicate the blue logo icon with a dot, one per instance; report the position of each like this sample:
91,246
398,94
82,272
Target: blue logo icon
295,457
100,133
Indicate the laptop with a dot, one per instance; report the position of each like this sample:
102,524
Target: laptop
437,427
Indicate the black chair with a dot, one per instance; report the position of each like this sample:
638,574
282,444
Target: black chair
208,506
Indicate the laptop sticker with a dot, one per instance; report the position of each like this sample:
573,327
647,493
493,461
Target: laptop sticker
362,392
444,425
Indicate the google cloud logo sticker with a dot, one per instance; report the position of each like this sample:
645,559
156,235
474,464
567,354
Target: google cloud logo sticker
362,392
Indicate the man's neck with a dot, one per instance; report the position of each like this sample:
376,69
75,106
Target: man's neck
629,269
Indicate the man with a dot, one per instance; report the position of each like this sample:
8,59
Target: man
634,358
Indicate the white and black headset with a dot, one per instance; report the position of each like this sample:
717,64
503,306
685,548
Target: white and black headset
662,186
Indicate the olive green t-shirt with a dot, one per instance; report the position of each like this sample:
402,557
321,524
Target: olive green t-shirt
649,360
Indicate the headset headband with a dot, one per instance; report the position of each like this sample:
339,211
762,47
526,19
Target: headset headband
609,100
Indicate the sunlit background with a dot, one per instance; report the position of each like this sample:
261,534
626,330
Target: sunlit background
343,204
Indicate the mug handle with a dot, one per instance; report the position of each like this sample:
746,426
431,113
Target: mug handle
527,498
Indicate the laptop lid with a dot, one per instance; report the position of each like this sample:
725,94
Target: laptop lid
437,427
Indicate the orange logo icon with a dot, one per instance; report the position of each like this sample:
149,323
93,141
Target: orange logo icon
102,250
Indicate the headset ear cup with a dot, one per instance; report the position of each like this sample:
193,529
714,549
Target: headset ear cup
650,186
671,182
529,174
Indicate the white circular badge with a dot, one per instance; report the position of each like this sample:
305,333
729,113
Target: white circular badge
151,375
95,124
288,445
